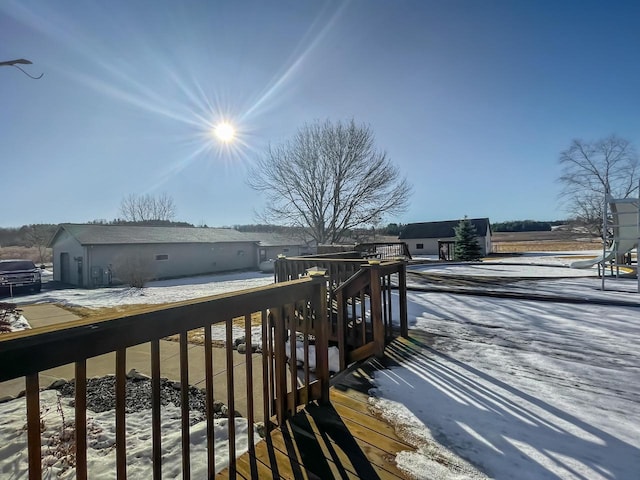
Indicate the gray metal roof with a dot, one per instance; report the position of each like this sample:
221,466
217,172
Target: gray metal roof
277,239
442,229
124,234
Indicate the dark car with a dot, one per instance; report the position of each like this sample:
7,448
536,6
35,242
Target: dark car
19,274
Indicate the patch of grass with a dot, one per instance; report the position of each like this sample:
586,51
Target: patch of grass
544,246
28,253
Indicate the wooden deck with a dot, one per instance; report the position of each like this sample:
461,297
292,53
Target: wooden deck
342,439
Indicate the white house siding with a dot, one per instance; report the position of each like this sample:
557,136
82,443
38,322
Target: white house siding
487,245
430,245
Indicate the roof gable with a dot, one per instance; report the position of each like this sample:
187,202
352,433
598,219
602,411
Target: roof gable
443,229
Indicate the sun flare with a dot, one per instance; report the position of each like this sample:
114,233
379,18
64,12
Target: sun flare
225,132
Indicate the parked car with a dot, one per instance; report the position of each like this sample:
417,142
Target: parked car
20,274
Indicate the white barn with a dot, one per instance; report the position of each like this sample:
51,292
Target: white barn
432,238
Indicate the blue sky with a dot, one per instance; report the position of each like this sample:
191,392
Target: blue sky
472,100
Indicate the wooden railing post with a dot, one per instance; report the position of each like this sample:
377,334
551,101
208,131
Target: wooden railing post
341,328
402,295
33,426
319,304
376,308
280,355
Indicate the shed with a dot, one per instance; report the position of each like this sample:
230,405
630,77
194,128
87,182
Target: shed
273,244
431,238
91,255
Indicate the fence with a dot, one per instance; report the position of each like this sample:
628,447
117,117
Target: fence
384,250
380,250
298,305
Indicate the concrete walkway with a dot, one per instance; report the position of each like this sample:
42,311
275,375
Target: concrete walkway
139,358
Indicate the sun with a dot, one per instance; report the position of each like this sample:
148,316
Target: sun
225,132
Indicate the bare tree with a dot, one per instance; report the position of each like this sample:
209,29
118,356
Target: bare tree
38,236
134,269
591,170
164,208
329,179
143,208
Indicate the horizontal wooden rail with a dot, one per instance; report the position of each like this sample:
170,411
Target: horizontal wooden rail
72,341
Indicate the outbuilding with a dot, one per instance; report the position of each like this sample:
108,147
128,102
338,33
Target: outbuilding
91,255
438,238
271,245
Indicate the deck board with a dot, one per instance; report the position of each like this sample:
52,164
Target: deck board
343,439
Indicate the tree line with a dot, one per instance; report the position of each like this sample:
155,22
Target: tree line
525,226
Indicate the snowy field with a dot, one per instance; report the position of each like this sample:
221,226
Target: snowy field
501,388
520,389
161,291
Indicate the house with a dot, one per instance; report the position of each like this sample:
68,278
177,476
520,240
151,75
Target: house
434,238
92,255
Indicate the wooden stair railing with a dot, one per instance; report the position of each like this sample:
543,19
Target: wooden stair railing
371,287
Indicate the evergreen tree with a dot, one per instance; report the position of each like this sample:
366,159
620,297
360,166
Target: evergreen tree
466,247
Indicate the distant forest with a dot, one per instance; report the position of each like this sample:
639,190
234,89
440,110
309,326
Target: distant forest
40,234
525,226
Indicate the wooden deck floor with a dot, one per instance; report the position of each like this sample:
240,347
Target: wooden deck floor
340,440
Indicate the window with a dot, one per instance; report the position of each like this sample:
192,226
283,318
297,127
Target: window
240,253
285,250
419,246
162,257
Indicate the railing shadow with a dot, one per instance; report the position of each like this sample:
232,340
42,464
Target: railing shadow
317,445
504,428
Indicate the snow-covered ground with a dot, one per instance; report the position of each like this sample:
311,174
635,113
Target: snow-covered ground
57,415
161,291
519,388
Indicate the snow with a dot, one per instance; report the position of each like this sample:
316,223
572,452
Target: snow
17,322
334,356
101,455
159,292
500,387
156,292
519,388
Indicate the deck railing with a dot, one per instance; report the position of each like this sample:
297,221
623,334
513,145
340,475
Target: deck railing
384,250
361,313
365,313
281,309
